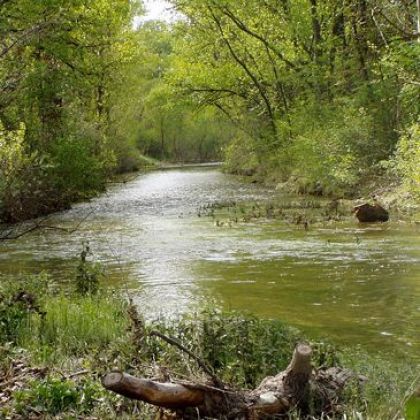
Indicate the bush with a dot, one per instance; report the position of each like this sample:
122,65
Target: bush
88,274
408,159
54,396
241,156
79,171
24,187
20,301
335,150
129,159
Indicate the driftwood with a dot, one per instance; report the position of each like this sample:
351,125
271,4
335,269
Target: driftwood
296,387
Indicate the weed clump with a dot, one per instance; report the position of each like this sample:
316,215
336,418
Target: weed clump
20,300
55,395
88,274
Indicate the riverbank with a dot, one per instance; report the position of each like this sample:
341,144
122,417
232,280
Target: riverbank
127,172
388,191
59,346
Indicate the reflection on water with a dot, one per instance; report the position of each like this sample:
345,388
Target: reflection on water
357,285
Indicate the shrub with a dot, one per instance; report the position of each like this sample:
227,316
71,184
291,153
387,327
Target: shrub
24,187
241,156
79,170
408,159
20,301
54,396
88,274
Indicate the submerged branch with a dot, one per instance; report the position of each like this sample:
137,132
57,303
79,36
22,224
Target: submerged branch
13,233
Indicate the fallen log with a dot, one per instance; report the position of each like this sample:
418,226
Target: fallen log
296,387
168,395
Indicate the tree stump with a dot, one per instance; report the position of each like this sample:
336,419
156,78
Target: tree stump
292,388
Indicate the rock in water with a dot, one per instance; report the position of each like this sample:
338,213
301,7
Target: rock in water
368,213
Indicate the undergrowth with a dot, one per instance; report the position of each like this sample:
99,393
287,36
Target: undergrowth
77,338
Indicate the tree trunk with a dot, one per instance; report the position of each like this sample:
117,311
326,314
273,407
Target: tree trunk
275,395
418,20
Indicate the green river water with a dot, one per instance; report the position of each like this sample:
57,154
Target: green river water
353,284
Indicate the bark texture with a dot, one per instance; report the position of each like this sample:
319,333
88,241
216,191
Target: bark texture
292,388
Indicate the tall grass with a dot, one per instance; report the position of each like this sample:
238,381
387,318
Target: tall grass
389,383
74,326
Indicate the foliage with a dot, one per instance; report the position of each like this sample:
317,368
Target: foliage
62,65
92,334
307,89
255,348
23,177
412,407
75,326
77,172
241,349
172,127
333,151
88,274
19,302
240,156
389,383
55,396
408,159
12,157
320,88
33,316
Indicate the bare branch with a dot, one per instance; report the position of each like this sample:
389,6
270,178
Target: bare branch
199,361
253,78
10,233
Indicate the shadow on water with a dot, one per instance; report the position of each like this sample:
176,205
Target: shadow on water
355,284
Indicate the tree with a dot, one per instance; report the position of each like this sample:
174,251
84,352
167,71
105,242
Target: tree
61,63
295,75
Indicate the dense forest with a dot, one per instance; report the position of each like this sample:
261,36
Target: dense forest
323,95
322,90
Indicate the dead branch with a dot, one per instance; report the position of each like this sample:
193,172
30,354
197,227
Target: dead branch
295,387
168,395
199,361
9,233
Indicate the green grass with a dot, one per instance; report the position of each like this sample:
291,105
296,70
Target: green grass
95,334
390,383
74,326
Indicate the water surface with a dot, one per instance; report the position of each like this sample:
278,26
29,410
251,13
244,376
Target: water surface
355,284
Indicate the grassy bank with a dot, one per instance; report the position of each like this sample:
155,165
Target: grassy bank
56,347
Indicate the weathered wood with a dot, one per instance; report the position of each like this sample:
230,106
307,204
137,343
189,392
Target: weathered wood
278,393
274,396
168,395
299,372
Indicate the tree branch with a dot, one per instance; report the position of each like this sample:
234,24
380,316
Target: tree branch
254,80
199,361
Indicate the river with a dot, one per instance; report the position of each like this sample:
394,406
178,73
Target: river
353,284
